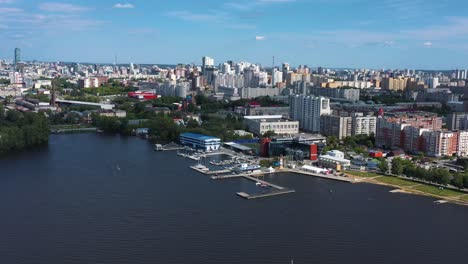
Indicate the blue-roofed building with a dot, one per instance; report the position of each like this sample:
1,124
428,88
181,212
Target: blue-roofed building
199,141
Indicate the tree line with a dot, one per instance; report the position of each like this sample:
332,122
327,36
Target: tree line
435,175
162,127
19,131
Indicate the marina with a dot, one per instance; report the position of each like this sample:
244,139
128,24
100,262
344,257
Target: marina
244,167
267,189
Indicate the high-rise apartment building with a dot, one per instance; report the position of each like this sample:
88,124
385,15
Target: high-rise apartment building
337,126
364,125
207,62
457,121
433,82
394,84
307,110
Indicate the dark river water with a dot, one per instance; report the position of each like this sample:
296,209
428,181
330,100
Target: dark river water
103,199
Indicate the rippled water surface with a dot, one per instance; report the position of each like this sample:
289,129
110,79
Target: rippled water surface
103,199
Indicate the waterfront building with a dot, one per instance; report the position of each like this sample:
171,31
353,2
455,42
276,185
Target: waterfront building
259,125
307,110
299,147
390,129
199,141
335,160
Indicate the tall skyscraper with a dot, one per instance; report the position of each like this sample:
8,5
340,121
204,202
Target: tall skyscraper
17,55
307,110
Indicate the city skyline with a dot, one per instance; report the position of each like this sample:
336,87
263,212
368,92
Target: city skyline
346,34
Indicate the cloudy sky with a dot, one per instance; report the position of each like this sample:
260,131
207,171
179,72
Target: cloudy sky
332,33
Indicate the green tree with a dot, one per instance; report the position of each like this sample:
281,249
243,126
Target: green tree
465,181
2,113
269,134
397,166
457,181
383,166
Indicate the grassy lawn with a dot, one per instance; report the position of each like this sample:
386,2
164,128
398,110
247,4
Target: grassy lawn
464,198
396,181
362,174
437,191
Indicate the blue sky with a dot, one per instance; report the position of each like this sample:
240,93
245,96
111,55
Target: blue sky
422,34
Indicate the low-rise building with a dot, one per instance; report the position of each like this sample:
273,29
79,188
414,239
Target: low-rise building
259,125
199,141
334,160
113,113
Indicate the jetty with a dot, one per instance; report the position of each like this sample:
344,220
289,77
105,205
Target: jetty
264,195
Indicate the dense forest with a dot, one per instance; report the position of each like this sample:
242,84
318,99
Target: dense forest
19,131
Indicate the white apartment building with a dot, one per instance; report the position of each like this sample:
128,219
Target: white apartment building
16,78
307,110
259,125
462,149
364,125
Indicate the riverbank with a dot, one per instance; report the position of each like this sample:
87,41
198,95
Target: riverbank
411,187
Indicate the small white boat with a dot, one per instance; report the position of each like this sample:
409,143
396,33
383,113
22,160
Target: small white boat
258,184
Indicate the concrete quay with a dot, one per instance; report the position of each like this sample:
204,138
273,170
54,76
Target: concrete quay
330,177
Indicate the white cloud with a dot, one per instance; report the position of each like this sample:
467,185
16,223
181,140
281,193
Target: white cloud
427,44
62,7
124,6
259,37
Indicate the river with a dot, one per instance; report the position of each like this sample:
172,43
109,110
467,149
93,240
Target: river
91,198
